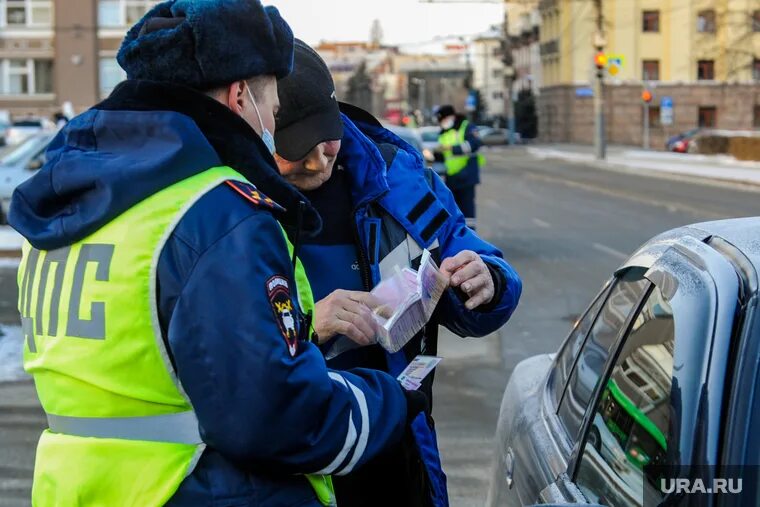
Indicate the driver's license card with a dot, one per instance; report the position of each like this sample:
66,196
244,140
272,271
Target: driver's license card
420,367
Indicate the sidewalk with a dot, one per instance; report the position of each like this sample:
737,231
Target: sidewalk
710,167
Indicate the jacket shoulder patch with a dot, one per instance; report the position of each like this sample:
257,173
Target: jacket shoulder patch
250,193
278,293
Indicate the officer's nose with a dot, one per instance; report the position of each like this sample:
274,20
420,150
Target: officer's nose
318,158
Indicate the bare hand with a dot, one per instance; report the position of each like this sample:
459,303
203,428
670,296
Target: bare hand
348,313
469,272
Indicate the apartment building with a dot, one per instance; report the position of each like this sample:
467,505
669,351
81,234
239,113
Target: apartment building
56,51
703,55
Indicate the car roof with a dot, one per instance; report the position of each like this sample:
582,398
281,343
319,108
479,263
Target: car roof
742,233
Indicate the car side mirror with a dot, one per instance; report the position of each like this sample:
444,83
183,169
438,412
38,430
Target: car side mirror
35,165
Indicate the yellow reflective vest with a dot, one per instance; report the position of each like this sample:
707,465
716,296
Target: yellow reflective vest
122,431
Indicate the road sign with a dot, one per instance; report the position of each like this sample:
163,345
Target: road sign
471,104
666,111
615,64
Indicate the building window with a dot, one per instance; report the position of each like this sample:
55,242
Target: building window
651,21
706,21
650,70
120,13
26,76
705,70
756,21
707,117
110,74
497,73
498,95
756,117
18,77
43,76
26,13
756,69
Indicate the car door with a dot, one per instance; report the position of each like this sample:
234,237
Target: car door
648,403
741,440
535,454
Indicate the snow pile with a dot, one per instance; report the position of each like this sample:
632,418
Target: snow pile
11,354
721,167
10,240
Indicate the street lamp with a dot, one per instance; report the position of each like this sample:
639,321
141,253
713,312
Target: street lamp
509,76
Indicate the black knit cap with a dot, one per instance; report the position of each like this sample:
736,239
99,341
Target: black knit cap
205,44
445,111
309,112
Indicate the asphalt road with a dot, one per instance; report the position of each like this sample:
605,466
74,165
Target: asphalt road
564,227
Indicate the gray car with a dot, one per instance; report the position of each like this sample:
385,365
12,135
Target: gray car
19,164
661,373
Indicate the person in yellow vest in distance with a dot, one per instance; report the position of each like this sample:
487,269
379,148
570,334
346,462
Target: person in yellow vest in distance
165,313
458,147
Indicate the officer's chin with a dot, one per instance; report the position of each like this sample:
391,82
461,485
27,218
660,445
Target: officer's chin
310,181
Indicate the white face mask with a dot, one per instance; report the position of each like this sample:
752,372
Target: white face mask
447,123
266,136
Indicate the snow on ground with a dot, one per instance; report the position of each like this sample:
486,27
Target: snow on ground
9,239
703,166
9,262
11,354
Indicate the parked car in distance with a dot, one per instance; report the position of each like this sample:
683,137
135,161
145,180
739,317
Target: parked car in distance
659,374
411,136
679,143
429,136
492,136
4,126
19,164
22,129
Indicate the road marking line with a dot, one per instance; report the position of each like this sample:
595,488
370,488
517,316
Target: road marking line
541,223
704,214
610,251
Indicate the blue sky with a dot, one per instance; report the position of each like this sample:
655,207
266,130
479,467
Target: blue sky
402,20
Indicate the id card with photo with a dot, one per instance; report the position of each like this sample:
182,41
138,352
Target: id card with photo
420,367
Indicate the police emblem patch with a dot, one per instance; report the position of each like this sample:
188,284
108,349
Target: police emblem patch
278,293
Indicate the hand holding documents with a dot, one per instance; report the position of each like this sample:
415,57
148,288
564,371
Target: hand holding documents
409,299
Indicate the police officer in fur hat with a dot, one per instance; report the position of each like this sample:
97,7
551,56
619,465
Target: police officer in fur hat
166,321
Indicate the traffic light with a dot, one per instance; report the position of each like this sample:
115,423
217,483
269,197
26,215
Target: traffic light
600,60
646,96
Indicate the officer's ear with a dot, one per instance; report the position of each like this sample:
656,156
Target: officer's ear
231,95
235,98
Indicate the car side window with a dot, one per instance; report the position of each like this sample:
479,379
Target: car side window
589,366
572,345
628,433
38,160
